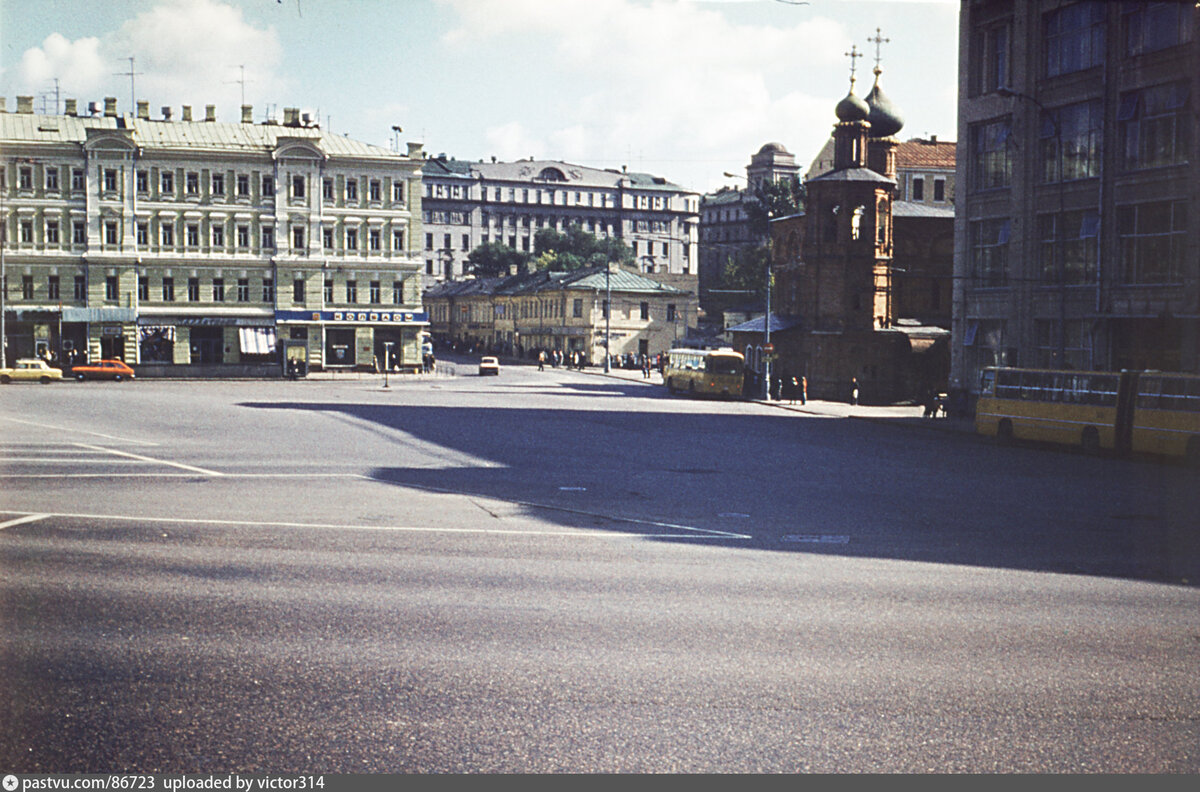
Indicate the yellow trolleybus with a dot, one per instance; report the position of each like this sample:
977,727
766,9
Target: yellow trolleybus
1149,412
705,372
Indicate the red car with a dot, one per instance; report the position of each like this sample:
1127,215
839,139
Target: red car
103,369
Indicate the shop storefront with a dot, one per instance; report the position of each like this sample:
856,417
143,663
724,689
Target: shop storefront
356,340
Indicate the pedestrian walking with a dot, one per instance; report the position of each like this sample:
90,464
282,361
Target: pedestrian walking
542,360
804,390
793,390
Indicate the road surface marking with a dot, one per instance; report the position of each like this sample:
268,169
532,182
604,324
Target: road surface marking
74,430
581,533
26,519
817,538
179,465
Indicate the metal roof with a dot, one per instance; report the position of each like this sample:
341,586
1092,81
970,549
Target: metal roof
757,324
183,135
917,209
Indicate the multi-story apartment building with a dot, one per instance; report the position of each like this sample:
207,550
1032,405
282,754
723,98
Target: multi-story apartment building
467,204
1076,229
196,246
569,312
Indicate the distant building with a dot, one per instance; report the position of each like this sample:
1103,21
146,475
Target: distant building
193,246
526,312
725,223
1078,218
468,204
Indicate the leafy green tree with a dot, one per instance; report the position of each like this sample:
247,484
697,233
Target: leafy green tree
494,259
746,272
773,199
578,248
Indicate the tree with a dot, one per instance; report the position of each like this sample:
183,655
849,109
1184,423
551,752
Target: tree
495,259
746,271
578,248
773,199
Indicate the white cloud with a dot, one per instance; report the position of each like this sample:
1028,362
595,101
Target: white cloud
77,65
191,51
185,52
674,79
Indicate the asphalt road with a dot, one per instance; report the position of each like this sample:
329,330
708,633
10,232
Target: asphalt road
561,572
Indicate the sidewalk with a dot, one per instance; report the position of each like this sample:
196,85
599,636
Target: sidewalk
893,414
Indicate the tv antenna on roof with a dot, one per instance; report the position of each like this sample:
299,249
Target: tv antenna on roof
241,81
132,92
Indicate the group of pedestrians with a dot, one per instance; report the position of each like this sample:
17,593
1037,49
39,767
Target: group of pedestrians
557,358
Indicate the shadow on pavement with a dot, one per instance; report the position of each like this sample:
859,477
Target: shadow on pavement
836,487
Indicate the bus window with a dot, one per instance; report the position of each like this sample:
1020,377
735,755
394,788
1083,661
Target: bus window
724,365
1174,395
1149,389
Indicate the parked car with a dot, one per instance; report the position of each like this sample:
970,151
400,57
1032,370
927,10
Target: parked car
30,370
115,370
488,365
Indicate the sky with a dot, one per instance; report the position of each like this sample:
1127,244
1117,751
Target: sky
684,89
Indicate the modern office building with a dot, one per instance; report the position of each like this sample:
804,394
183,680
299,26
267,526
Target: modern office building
194,246
1078,211
468,204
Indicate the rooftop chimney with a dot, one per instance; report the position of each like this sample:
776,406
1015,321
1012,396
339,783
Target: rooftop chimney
210,112
3,104
166,112
291,116
414,149
247,114
110,106
143,109
187,113
24,104
93,108
70,107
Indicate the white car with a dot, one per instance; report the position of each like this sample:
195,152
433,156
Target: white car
31,370
489,365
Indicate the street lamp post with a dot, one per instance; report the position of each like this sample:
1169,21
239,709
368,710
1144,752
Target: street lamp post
387,360
607,312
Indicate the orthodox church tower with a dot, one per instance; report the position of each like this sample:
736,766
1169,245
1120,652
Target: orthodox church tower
847,251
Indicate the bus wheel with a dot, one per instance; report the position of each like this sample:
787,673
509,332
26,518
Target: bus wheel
1090,440
1004,432
691,389
671,385
1192,455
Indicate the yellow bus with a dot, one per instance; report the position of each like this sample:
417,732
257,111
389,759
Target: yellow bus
705,372
1150,412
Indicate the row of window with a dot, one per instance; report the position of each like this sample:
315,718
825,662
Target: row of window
535,195
1151,245
1073,39
540,309
216,236
1154,129
217,290
216,184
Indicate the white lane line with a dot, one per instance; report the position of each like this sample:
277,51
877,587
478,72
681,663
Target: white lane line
26,519
76,431
817,538
340,527
179,465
